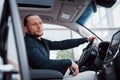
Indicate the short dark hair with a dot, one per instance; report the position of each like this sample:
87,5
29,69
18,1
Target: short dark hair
25,19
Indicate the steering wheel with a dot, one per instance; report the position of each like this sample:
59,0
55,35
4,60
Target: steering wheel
86,53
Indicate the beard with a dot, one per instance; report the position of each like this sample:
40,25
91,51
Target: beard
35,34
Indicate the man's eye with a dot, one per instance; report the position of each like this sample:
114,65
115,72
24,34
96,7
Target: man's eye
34,24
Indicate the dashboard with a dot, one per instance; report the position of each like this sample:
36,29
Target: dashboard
113,48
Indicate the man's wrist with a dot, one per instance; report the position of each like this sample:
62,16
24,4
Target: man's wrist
86,39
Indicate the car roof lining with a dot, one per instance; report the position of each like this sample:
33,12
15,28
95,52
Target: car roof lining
58,12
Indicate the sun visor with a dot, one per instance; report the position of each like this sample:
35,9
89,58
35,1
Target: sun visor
84,17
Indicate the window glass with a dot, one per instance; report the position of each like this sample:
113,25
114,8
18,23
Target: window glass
56,32
105,21
1,8
116,15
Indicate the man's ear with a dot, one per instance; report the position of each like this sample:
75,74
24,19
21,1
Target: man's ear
25,29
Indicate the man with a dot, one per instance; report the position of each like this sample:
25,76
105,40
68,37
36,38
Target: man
38,47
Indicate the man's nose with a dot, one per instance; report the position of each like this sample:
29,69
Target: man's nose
39,26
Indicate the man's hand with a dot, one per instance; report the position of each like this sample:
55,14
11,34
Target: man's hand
75,68
89,39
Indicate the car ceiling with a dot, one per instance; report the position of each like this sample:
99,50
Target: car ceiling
61,12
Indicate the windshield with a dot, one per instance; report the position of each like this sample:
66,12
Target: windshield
103,23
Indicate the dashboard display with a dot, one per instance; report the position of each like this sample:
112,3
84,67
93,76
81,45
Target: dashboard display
113,48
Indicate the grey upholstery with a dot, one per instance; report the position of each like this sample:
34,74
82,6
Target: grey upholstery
45,74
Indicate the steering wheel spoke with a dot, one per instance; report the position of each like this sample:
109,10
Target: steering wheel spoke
86,53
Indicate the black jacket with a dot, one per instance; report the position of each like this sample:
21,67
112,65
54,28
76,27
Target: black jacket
38,52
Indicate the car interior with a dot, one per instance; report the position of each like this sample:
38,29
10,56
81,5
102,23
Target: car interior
100,56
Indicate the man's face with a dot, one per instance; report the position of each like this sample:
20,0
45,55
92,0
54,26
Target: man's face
34,26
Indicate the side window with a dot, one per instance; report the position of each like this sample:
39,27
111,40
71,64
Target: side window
1,7
56,32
